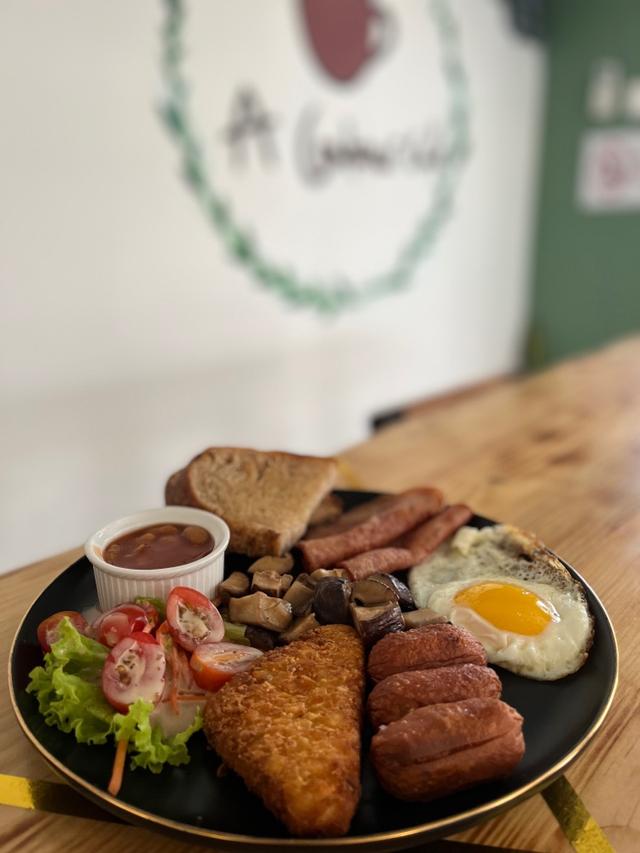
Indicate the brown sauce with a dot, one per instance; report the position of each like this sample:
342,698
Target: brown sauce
159,546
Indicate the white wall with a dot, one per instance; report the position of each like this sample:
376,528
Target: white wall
130,340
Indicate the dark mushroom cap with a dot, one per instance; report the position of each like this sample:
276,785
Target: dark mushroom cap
331,601
261,638
402,591
371,591
372,623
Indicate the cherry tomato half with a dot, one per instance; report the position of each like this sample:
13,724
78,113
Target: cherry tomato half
48,628
118,623
179,677
192,618
152,614
134,669
213,664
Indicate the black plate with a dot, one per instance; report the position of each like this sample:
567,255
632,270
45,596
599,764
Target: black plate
560,718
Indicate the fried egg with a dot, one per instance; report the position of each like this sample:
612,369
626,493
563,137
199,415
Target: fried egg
514,595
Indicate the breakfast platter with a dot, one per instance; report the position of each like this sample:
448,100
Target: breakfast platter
203,800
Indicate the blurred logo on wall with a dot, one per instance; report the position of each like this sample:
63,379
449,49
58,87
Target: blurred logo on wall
346,35
324,139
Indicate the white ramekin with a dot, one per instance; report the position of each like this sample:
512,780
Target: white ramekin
117,585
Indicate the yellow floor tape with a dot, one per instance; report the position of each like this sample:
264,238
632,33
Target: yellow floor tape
47,797
583,833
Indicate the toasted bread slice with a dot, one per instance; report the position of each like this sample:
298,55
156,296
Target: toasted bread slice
266,498
290,727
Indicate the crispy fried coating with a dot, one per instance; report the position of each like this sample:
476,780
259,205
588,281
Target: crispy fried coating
290,727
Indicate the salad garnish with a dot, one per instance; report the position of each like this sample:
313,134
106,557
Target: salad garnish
133,676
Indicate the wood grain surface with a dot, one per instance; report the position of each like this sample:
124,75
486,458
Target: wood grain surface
557,453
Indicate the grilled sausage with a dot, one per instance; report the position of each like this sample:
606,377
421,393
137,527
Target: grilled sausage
412,548
436,750
424,648
398,694
394,517
425,539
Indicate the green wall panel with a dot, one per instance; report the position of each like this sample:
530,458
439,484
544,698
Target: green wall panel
587,265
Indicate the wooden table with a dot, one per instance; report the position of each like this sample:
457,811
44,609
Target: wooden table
557,453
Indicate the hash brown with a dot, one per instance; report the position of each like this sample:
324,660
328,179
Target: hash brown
290,727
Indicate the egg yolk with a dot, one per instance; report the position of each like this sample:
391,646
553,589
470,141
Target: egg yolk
508,607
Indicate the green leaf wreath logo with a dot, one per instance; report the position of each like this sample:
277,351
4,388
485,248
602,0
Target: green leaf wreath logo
323,296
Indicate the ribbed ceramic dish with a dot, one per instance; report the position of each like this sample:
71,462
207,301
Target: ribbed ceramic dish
115,584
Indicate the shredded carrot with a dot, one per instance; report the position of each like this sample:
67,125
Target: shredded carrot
117,773
173,699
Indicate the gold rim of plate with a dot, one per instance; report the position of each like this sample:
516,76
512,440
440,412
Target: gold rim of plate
454,822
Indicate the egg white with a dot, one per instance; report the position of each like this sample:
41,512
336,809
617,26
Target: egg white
547,656
502,554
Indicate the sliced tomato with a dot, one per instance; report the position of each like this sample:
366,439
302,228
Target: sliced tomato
134,669
152,607
120,622
179,677
48,629
192,618
213,664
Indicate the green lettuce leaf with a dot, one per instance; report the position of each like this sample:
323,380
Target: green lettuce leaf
68,688
69,694
150,748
